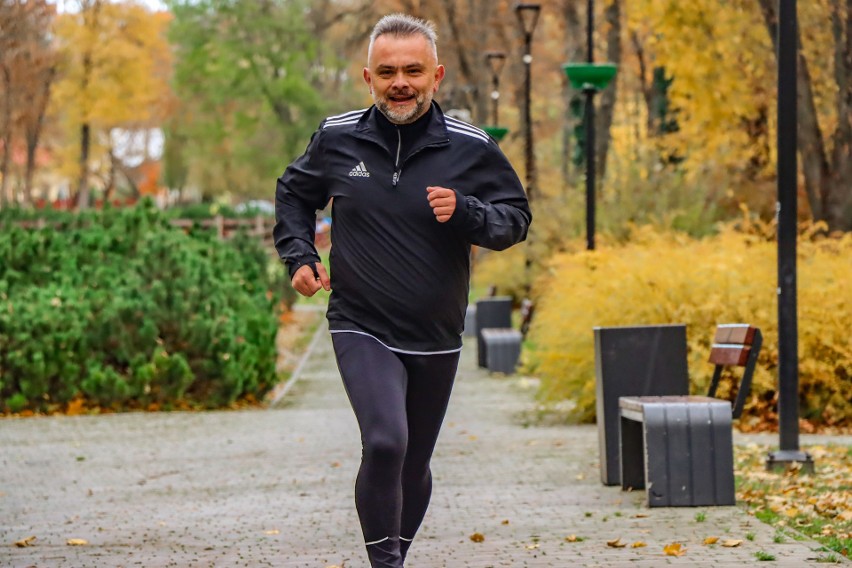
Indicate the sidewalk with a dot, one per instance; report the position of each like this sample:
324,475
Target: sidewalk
274,488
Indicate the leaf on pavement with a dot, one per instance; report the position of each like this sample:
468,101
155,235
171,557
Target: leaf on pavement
25,542
76,542
477,537
638,544
674,549
711,540
574,538
616,543
731,543
272,532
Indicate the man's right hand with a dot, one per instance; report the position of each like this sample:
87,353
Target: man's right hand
306,284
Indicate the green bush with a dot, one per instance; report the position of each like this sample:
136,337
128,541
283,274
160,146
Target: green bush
120,309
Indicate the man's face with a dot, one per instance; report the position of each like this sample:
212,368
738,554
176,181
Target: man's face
403,74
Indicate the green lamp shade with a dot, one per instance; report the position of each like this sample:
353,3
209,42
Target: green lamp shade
589,75
496,132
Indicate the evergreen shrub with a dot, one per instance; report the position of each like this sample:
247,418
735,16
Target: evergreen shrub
665,277
120,310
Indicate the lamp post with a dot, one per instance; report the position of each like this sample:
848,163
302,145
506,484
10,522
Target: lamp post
590,78
496,60
788,358
590,131
527,14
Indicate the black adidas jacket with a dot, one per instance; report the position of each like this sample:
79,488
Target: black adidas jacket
398,274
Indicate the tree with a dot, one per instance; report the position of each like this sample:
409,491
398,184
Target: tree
27,69
114,74
254,79
826,152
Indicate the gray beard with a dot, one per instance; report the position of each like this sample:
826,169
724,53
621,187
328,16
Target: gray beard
421,103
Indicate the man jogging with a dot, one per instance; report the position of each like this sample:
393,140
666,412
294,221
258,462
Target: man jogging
412,190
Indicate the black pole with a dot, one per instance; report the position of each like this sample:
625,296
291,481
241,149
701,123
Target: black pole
495,94
528,136
788,358
590,132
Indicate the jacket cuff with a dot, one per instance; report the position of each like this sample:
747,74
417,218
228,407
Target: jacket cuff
459,216
301,261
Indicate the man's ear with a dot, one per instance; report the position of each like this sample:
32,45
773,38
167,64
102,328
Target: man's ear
439,76
368,79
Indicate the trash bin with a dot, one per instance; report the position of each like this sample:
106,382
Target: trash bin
647,360
495,311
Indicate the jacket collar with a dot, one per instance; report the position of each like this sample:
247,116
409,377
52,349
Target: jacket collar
436,130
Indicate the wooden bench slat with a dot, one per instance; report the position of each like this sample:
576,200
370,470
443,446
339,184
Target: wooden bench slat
729,354
741,333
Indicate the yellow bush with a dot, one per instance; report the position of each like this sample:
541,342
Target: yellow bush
660,278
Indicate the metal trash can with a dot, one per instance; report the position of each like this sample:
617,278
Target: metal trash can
647,360
495,311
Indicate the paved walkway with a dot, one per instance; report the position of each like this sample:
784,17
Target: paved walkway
274,488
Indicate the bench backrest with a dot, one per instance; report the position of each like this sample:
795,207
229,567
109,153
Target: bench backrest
735,345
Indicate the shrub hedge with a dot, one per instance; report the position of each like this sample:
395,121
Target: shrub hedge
659,278
121,310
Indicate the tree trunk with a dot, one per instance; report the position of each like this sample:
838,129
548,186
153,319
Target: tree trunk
82,200
573,32
607,106
33,133
7,135
838,206
815,165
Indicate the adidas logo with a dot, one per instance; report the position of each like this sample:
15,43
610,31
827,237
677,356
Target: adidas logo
359,171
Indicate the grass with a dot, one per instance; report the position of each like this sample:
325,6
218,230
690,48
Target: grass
764,556
818,506
700,517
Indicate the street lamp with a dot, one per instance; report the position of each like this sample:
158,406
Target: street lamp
527,14
789,452
590,78
496,60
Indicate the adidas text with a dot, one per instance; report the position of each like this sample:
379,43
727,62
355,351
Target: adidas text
359,171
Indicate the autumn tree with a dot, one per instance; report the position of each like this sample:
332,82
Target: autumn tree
825,138
114,75
27,69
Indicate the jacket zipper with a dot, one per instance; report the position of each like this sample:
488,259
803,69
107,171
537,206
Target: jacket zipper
397,169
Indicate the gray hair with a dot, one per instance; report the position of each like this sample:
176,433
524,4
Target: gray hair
403,25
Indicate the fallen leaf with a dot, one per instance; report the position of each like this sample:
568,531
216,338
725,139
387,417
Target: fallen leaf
674,549
335,464
640,516
616,543
272,532
477,537
731,543
505,522
711,540
638,544
25,542
573,538
472,438
791,512
76,407
76,542
533,546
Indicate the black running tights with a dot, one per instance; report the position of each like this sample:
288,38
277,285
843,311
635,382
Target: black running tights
399,401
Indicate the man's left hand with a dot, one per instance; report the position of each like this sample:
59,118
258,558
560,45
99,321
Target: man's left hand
442,201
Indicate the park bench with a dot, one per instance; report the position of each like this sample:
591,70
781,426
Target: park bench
501,346
680,448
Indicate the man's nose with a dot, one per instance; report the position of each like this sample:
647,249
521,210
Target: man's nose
399,81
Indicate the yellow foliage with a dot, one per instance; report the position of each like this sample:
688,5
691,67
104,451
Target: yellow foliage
666,277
